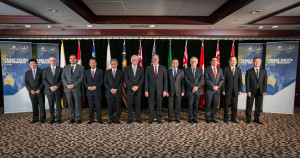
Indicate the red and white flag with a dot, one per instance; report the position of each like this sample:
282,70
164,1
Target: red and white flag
201,65
140,55
79,54
185,57
232,49
218,54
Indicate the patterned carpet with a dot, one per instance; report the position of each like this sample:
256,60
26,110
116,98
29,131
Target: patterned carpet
279,136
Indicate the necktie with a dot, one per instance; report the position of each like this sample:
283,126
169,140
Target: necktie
193,72
155,71
114,73
134,71
257,74
53,71
233,71
215,72
33,74
72,70
175,74
93,74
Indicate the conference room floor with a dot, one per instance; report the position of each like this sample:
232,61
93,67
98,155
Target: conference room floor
279,136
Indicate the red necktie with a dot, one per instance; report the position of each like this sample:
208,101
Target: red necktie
155,71
215,72
93,74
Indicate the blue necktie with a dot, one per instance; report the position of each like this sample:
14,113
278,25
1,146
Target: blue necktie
175,74
72,70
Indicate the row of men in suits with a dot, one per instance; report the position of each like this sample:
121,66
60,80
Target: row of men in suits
159,82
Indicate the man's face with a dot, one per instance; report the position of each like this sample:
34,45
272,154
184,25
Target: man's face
174,64
232,61
193,62
114,64
155,60
33,65
134,61
73,60
214,62
52,61
93,63
256,63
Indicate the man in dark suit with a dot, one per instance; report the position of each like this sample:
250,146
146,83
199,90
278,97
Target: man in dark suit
175,90
134,79
35,87
256,88
53,88
214,80
193,77
113,82
72,77
93,80
155,87
232,88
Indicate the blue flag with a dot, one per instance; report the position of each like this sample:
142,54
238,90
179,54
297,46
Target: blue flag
94,50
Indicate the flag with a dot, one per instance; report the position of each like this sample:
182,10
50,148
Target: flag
62,63
232,49
124,64
185,57
79,54
108,58
170,56
94,50
218,54
201,65
140,55
153,51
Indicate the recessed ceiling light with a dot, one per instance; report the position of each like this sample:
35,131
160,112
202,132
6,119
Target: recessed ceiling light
28,26
89,25
274,27
256,11
49,26
51,10
260,27
152,26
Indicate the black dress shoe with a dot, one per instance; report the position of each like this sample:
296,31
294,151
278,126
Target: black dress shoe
159,122
207,121
52,121
214,121
195,121
58,122
139,121
90,122
33,121
169,120
110,122
177,121
72,121
248,121
117,122
191,121
78,121
235,121
100,122
129,121
150,122
42,121
258,122
226,120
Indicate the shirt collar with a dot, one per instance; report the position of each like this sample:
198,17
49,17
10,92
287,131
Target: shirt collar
155,65
231,67
93,69
114,69
133,66
53,67
34,69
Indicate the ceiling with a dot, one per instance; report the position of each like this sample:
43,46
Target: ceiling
150,15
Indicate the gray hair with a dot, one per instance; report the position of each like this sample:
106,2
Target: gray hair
113,60
194,58
133,56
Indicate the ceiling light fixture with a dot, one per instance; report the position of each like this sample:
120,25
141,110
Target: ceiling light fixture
152,26
260,27
51,10
274,27
255,11
89,25
49,26
28,26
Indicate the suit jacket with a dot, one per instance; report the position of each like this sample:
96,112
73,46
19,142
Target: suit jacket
76,79
211,81
49,80
90,82
158,84
252,81
191,82
175,86
111,82
232,84
34,84
131,81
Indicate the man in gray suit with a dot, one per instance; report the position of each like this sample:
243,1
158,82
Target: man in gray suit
134,79
156,84
175,90
193,77
53,88
214,80
72,77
